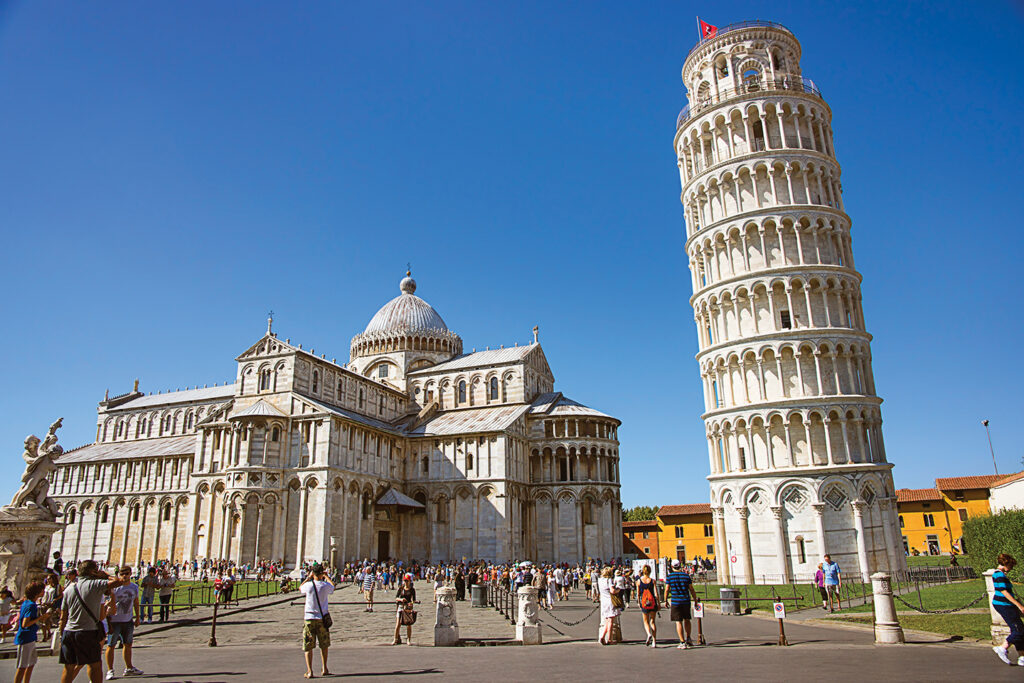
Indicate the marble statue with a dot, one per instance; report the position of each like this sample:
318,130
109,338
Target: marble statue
40,457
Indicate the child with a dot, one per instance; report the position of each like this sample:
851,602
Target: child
27,635
6,600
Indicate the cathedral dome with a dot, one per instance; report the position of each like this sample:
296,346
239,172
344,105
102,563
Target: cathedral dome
406,313
406,323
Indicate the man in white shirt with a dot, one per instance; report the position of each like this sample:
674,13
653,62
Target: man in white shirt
316,587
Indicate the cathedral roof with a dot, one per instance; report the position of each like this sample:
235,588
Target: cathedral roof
185,396
479,359
471,420
406,313
557,404
260,409
144,448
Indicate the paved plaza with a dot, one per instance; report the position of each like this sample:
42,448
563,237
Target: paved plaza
259,641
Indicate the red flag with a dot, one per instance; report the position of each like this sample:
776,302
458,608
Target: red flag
707,31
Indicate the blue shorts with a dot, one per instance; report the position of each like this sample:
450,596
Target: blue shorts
123,631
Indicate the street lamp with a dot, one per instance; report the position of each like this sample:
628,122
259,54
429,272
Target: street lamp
985,422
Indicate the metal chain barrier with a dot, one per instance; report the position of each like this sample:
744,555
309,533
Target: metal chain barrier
942,611
571,623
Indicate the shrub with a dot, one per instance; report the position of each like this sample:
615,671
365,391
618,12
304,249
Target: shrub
985,537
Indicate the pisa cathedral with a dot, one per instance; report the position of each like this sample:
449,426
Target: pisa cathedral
413,450
794,438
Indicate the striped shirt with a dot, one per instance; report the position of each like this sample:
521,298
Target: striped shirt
679,584
1001,583
368,581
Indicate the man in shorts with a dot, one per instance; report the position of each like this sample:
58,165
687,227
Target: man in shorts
680,590
316,587
28,628
832,581
123,623
81,634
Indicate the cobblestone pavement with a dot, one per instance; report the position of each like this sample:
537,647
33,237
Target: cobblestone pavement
262,645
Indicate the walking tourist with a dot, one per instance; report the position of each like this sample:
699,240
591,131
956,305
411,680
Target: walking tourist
647,597
123,622
1009,608
167,582
316,630
81,642
149,585
610,607
26,636
366,588
49,603
553,588
406,599
833,581
819,581
680,590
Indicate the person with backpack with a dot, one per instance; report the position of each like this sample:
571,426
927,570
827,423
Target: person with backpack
647,596
317,586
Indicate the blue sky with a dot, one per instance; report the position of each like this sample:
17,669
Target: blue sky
170,172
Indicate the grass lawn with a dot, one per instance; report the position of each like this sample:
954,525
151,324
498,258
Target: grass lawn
967,625
806,591
202,592
946,596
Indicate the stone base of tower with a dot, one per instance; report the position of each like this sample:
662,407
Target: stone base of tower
776,527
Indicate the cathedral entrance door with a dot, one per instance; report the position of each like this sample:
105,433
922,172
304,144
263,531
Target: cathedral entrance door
383,545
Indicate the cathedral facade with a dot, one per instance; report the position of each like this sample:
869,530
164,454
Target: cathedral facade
411,450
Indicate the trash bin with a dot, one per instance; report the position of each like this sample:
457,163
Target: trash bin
478,595
730,600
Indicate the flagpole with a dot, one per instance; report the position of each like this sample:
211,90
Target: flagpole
700,34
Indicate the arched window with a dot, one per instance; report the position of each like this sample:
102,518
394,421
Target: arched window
462,392
362,399
316,381
381,406
135,513
426,464
275,435
469,461
264,380
167,512
189,421
494,389
104,514
71,517
341,388
751,79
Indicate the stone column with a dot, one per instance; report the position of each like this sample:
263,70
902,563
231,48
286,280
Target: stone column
328,523
780,540
256,542
156,539
174,533
276,550
78,535
243,521
862,549
446,626
300,546
142,534
748,560
124,536
887,625
527,624
721,546
819,527
190,544
884,505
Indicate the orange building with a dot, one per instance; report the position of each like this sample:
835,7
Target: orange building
641,539
931,520
687,531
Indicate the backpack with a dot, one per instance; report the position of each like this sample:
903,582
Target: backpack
647,599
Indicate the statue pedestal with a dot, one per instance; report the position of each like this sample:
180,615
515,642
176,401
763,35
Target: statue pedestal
446,626
25,535
527,623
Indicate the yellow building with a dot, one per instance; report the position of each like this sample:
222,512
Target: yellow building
686,532
931,520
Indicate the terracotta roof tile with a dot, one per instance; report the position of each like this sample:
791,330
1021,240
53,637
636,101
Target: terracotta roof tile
917,495
1009,478
643,523
983,481
690,509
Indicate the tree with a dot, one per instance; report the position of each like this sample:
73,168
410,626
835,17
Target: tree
641,513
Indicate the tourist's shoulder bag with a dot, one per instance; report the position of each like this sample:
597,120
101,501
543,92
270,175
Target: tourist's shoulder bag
325,617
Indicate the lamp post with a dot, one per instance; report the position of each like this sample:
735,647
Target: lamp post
992,450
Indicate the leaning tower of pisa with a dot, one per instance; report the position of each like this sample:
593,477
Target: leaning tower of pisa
793,425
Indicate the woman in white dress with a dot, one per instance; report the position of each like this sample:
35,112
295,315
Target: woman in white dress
606,588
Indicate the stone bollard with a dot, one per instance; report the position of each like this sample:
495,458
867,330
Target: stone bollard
446,626
527,624
616,633
887,625
999,629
